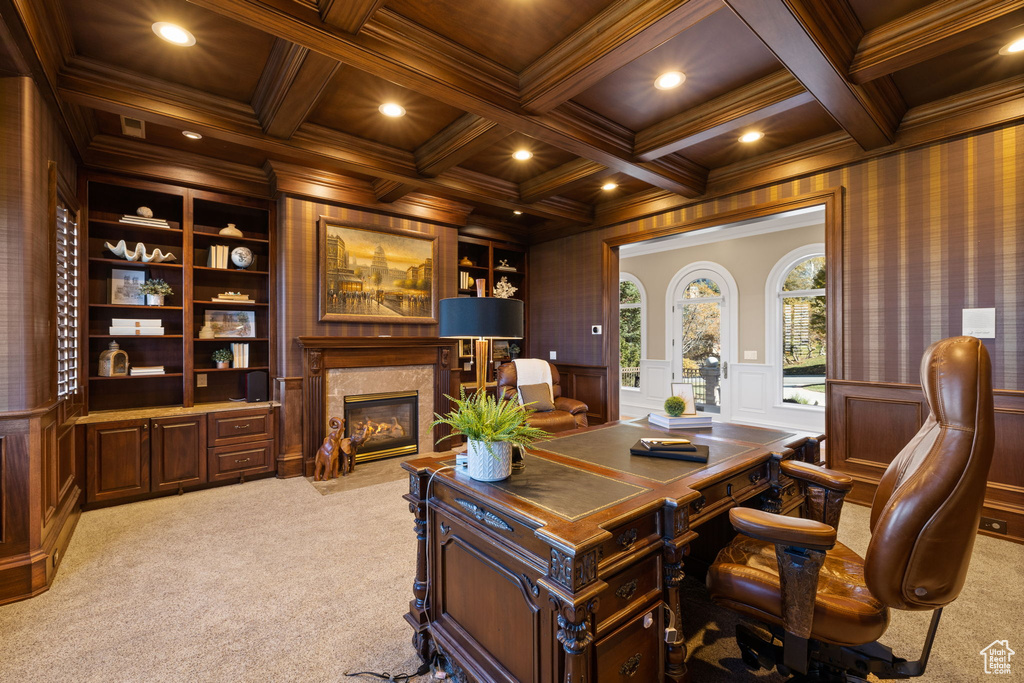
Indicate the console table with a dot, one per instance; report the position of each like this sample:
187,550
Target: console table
569,570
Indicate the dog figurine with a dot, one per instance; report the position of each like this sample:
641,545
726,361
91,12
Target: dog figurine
349,447
326,464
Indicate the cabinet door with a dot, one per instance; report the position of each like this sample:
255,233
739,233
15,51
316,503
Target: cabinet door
118,459
178,448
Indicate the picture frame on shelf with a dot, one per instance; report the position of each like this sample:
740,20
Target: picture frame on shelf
239,324
126,287
376,274
466,348
684,390
499,350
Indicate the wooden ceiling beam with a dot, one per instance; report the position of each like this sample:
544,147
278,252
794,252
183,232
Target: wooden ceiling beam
615,37
558,180
931,31
773,94
388,191
438,69
465,137
812,48
348,15
290,86
107,88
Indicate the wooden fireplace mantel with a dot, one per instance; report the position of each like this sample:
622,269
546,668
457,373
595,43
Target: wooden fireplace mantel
326,353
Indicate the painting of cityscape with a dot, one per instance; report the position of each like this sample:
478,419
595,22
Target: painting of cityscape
376,275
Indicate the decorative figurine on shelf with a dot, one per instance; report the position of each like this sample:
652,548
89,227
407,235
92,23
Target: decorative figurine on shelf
206,332
503,265
155,291
504,289
222,357
113,361
326,464
230,231
241,257
464,261
349,447
139,253
144,211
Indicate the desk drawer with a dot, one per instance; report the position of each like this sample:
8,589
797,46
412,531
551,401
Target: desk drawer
239,426
629,536
726,493
633,653
629,589
228,462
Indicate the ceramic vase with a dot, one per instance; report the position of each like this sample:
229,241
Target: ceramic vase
489,465
154,299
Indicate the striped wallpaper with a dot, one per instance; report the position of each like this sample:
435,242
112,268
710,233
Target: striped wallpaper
298,295
927,232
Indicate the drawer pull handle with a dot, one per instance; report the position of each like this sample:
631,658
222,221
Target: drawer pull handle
699,504
239,462
626,590
445,529
627,538
245,426
755,477
631,666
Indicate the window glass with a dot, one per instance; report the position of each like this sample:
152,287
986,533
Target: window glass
804,344
702,288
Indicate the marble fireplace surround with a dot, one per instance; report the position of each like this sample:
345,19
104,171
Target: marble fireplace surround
371,365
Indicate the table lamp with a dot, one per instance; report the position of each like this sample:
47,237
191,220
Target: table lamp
481,318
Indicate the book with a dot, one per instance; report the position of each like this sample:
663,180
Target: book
231,296
135,322
668,444
142,370
669,422
241,355
698,454
142,220
137,331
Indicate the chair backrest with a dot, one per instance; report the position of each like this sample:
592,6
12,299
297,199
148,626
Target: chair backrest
508,380
926,510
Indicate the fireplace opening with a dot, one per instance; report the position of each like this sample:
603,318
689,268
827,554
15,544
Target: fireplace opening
391,422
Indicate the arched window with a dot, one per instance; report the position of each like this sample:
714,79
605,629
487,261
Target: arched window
798,325
632,318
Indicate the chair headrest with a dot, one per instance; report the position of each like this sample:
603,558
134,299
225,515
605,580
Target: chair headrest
950,373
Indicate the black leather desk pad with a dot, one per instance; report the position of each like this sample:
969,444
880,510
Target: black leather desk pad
610,448
564,490
724,430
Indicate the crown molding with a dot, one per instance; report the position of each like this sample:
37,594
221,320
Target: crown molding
292,82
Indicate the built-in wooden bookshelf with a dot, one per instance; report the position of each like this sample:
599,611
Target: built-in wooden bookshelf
194,219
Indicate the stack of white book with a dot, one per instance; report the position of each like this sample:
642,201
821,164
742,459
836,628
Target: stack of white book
142,220
141,370
688,421
132,327
218,256
232,297
241,352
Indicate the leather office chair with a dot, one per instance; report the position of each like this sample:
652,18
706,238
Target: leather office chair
568,413
827,605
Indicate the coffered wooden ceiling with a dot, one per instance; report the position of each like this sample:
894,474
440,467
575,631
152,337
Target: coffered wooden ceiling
289,89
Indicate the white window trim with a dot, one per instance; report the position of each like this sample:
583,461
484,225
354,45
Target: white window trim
629,277
773,316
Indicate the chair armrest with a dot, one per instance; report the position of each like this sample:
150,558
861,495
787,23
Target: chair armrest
794,532
570,405
817,476
823,489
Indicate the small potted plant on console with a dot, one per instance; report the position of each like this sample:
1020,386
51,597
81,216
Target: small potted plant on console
155,291
222,357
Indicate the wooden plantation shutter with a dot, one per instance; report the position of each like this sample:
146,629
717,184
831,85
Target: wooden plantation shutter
67,301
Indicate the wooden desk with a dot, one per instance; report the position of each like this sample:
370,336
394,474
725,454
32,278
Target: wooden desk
569,570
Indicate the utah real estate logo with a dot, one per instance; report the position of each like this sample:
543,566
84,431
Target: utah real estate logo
997,657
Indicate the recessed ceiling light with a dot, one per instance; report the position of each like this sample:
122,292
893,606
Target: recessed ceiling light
1013,48
522,154
669,80
608,186
752,136
191,135
391,109
173,33
518,213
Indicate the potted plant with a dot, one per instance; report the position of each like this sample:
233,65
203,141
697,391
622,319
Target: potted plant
222,357
513,351
492,427
155,291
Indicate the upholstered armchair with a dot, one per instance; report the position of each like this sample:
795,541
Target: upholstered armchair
825,604
566,413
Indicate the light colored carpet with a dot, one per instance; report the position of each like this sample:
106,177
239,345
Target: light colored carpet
273,581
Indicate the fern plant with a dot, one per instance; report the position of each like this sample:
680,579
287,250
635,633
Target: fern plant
481,417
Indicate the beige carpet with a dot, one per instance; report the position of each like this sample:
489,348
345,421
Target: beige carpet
273,581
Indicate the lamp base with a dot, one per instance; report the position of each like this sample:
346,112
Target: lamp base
482,355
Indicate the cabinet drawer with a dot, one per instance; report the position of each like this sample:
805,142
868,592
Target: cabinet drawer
228,462
726,493
239,426
630,588
634,652
630,536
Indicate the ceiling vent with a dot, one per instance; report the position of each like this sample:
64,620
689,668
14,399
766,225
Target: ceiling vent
133,128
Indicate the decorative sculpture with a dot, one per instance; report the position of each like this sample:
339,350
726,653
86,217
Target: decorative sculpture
349,448
326,464
504,289
139,253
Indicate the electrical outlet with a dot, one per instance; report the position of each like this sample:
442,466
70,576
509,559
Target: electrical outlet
201,380
996,526
552,355
750,355
595,329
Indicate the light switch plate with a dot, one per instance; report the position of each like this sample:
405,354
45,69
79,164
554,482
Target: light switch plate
552,355
750,355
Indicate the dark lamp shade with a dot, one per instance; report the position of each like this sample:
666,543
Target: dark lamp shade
481,317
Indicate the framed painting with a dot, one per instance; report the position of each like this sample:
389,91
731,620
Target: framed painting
126,287
684,390
231,323
376,274
499,350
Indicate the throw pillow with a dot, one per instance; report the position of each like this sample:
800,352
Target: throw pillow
536,397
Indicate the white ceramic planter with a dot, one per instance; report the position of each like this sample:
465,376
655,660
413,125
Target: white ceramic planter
154,299
489,465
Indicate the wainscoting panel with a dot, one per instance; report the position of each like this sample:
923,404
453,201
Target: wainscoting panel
587,383
869,424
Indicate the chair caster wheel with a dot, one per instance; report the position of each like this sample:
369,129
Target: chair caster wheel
750,658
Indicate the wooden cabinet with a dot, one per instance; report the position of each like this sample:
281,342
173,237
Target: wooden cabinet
239,426
238,460
118,460
176,452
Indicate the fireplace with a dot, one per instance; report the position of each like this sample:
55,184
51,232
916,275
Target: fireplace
390,421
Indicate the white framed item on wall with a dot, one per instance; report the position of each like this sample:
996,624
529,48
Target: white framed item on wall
231,323
684,390
126,287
